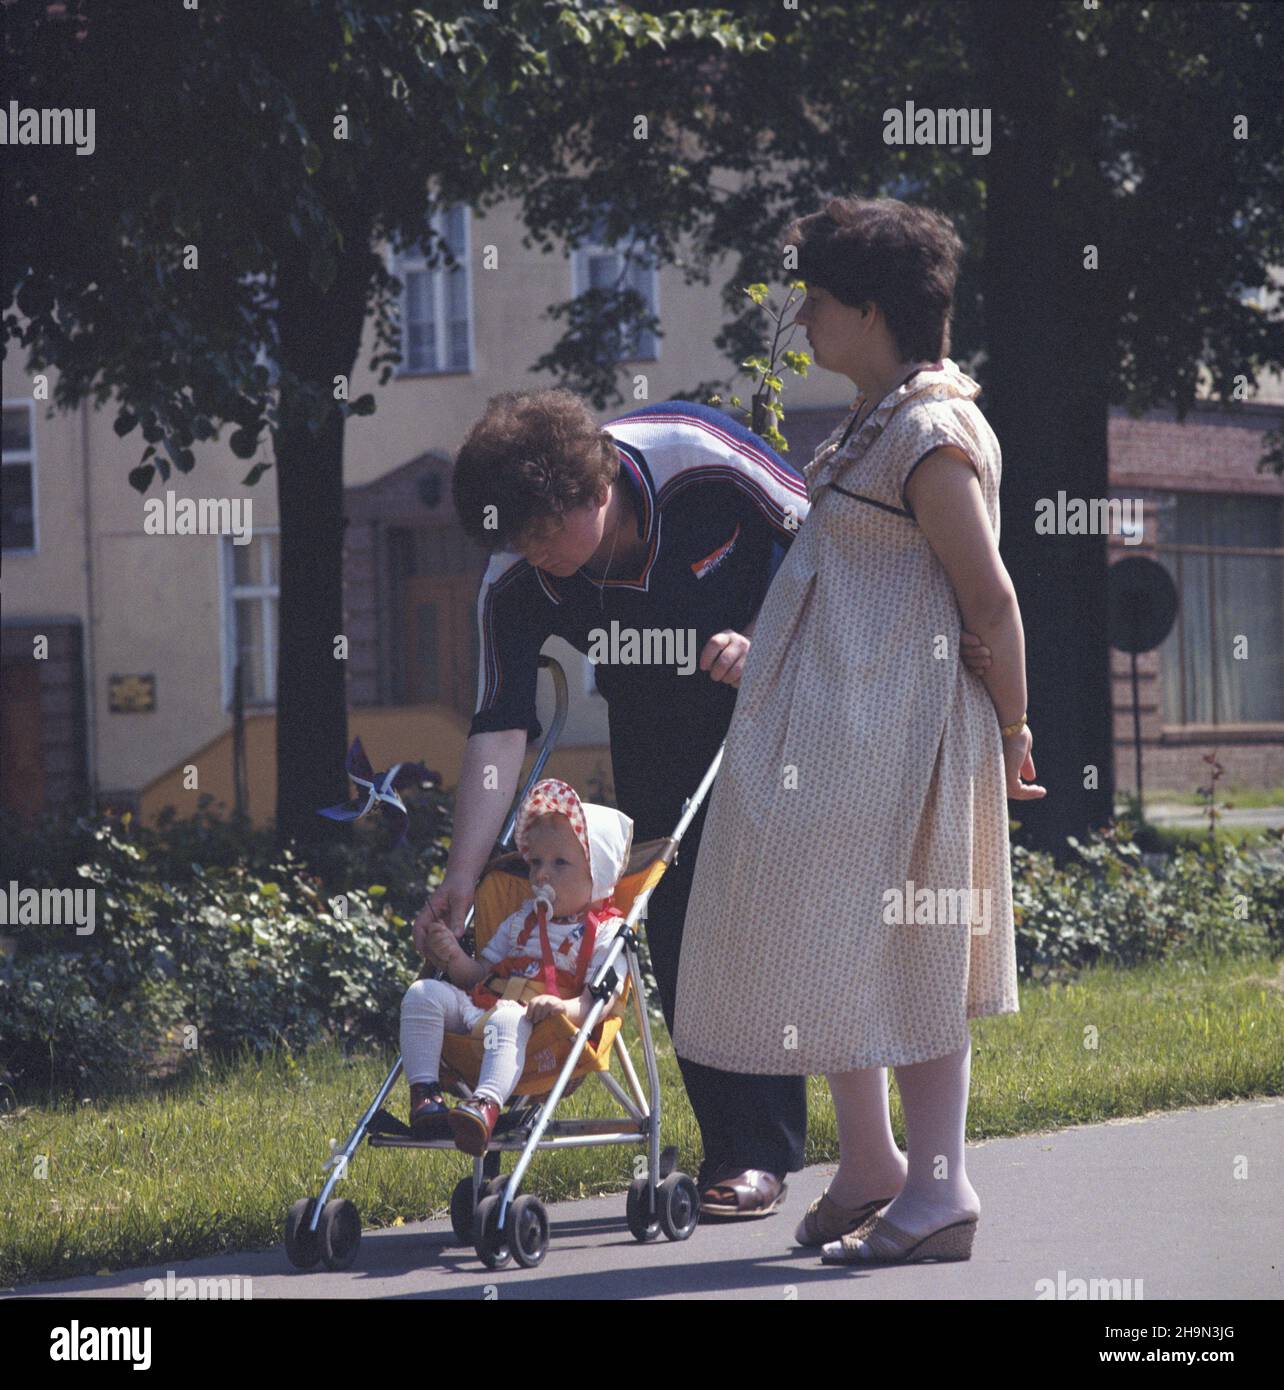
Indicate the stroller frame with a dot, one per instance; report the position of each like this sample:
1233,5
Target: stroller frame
484,1208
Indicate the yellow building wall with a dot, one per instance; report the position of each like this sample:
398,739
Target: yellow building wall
431,734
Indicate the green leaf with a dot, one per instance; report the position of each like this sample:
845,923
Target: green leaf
255,474
140,478
125,422
311,157
363,405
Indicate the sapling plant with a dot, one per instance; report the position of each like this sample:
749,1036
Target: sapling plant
766,412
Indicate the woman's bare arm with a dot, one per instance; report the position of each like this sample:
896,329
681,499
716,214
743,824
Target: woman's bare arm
950,510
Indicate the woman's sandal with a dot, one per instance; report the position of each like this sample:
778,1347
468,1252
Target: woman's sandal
884,1243
825,1220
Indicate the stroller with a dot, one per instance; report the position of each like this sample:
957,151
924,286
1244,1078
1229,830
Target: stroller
486,1209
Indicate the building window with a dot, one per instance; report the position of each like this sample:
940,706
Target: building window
18,483
436,303
597,266
253,589
1223,663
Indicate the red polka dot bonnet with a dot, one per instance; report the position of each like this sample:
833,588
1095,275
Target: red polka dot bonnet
605,834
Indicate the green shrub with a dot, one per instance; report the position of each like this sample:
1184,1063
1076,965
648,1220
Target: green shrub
1117,905
249,947
206,933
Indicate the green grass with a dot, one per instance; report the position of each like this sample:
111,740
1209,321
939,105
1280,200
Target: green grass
212,1160
1166,838
1242,798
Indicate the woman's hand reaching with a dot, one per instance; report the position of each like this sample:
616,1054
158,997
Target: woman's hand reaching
1018,763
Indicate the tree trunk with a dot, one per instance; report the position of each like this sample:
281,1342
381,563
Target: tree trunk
320,336
1047,397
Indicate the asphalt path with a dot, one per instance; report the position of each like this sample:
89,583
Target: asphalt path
1179,1204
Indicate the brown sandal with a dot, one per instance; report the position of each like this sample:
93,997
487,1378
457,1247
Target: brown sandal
752,1192
825,1220
884,1243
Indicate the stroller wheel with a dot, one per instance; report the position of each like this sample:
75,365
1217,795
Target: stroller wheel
493,1246
340,1233
530,1230
677,1201
642,1225
461,1205
302,1247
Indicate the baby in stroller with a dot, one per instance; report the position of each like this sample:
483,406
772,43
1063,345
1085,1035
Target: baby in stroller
535,965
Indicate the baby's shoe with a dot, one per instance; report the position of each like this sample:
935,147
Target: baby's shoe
428,1111
472,1124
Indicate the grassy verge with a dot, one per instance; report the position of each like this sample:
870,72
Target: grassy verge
1168,838
1244,798
213,1160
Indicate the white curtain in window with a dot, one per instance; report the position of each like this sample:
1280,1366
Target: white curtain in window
1231,639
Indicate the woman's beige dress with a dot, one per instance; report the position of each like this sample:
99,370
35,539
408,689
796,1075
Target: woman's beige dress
852,902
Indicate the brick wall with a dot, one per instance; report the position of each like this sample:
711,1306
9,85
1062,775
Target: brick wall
1211,451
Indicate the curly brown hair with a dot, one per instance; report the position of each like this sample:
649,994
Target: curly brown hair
900,256
532,456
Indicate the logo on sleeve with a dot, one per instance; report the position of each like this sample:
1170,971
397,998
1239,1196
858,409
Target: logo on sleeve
715,557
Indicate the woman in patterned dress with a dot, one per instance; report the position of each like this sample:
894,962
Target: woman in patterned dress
852,903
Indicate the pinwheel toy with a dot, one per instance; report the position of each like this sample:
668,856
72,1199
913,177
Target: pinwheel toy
380,790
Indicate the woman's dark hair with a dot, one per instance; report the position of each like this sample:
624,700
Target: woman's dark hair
901,257
532,456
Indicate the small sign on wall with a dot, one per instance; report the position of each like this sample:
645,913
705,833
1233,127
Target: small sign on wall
132,694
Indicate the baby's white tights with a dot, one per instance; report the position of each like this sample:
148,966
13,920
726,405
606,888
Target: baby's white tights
431,1008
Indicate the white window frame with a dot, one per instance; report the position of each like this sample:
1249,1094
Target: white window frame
231,591
27,456
397,263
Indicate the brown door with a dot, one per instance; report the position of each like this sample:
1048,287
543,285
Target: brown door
20,730
437,639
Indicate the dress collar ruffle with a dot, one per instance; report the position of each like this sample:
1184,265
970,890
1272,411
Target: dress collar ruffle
940,380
